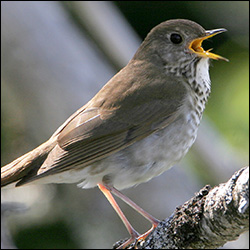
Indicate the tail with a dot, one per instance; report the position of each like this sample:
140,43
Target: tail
27,164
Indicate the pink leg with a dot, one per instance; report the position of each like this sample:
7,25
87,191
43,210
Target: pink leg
145,214
134,235
131,230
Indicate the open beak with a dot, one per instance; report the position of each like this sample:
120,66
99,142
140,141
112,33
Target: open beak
195,45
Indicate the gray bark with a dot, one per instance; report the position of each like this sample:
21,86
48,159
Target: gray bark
211,218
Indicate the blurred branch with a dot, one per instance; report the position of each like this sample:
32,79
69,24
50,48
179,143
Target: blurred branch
208,220
49,66
8,208
108,27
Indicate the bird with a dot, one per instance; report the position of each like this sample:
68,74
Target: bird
140,123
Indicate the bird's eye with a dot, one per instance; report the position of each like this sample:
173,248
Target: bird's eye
175,38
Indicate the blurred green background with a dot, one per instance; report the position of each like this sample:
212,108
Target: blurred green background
57,55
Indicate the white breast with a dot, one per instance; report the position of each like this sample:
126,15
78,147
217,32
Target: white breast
202,75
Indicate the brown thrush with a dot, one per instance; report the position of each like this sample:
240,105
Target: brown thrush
137,126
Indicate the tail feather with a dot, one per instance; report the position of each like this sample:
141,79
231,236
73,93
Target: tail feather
25,165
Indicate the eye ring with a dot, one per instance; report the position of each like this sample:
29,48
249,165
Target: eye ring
176,38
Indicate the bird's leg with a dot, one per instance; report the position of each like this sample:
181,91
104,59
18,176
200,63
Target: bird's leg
145,214
134,235
131,230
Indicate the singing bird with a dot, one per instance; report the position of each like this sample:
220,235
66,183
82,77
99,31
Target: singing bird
137,126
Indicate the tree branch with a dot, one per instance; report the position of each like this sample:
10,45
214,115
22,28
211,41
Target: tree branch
208,220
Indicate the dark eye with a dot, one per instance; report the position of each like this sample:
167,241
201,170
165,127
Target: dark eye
175,38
